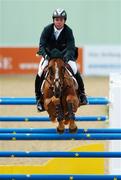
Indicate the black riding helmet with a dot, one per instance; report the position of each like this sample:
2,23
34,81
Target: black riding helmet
59,13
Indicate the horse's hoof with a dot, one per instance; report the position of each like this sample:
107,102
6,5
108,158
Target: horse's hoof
60,131
73,131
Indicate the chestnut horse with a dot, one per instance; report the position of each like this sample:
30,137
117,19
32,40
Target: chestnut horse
60,93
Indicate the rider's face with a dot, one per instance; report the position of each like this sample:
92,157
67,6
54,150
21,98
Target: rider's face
59,22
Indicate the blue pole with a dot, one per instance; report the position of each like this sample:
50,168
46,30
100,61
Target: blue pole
86,136
59,177
52,130
32,101
24,118
46,118
60,154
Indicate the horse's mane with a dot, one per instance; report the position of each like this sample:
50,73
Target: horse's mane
55,53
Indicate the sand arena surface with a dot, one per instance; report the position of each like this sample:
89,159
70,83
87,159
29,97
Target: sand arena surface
23,86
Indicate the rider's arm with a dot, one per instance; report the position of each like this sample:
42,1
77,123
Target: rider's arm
43,43
70,53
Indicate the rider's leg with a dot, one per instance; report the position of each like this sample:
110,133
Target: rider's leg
37,87
38,94
38,82
83,97
79,79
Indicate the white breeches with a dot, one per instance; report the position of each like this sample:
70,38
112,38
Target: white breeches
73,66
43,63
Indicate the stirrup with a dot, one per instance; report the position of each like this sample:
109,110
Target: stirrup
83,99
40,106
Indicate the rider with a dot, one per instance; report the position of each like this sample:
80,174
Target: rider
58,35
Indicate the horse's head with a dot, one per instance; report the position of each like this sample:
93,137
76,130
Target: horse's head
56,70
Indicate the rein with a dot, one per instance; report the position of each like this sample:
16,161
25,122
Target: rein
65,75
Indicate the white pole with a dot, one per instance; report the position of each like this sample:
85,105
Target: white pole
115,119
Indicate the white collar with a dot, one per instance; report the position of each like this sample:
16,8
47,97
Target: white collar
57,30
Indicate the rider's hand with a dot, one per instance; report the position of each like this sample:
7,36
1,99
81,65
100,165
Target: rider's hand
46,57
38,53
65,59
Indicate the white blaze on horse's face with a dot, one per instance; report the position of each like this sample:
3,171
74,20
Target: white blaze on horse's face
57,80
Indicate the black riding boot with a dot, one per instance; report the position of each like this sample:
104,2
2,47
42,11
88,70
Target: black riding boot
38,94
83,97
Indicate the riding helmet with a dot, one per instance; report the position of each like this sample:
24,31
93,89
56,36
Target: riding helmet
59,13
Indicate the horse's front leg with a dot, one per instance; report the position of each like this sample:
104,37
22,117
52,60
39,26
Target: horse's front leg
71,114
59,113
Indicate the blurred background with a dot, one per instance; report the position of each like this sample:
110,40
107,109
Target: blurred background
96,26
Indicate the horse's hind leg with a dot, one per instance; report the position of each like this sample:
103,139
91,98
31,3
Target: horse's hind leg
71,117
61,126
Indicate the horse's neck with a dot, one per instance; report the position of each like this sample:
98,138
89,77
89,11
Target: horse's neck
68,78
71,80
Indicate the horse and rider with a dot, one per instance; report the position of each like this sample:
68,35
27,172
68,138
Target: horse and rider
59,87
58,35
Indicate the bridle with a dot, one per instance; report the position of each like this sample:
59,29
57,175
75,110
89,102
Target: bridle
57,84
